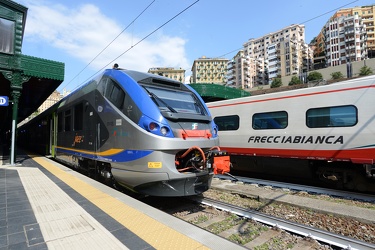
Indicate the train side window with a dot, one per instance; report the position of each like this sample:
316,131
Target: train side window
227,123
270,120
67,120
78,117
115,94
130,109
339,116
60,123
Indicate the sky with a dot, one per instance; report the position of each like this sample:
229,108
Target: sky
90,36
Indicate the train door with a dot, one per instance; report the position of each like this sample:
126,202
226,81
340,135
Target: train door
53,134
50,144
90,128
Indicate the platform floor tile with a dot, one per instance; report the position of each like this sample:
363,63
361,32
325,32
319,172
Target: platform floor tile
63,223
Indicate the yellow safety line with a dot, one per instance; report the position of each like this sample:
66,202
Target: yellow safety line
150,230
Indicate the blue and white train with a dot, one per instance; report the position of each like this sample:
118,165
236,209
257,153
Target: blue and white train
145,132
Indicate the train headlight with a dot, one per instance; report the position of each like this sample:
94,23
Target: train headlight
152,126
164,130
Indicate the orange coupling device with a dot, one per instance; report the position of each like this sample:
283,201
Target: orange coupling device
221,162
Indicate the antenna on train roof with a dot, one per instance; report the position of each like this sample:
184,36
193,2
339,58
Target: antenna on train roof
115,66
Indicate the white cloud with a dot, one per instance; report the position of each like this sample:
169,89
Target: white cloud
83,32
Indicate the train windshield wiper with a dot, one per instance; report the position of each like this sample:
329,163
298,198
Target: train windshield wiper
158,99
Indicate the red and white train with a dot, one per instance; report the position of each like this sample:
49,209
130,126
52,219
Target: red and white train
327,130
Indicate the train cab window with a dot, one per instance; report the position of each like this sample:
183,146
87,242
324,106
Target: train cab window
67,120
227,123
270,120
60,123
78,117
340,116
114,93
175,101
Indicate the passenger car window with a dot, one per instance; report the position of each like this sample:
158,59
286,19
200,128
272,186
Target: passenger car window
270,120
78,117
227,123
340,116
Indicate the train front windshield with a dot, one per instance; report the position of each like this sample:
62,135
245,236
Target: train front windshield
175,101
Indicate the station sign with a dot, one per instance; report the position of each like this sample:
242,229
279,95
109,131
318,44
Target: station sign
4,101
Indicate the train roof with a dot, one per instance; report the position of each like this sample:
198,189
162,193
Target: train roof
366,81
152,79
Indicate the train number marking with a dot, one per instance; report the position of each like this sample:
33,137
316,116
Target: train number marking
154,164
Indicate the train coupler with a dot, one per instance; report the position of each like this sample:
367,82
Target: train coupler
220,161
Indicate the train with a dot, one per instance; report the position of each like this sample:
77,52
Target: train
323,133
132,130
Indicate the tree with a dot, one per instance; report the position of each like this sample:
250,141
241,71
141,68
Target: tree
276,83
315,75
365,71
337,75
294,81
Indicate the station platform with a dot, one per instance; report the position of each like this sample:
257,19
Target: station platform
45,205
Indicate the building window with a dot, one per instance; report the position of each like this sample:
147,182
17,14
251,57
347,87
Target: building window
7,31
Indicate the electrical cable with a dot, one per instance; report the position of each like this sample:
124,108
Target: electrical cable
144,10
144,38
236,50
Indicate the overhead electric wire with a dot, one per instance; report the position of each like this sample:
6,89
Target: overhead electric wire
161,26
110,42
131,47
300,23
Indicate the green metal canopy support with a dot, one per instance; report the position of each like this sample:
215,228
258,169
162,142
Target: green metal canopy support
40,77
16,79
31,79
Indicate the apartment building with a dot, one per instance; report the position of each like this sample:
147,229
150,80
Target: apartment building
51,100
172,73
284,53
366,13
245,72
345,40
209,70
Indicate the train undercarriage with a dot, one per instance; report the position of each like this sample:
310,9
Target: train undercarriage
336,175
195,166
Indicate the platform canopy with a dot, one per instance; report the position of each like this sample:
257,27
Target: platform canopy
216,92
25,81
40,78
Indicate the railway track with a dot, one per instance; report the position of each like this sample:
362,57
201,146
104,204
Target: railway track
253,229
269,224
298,187
310,235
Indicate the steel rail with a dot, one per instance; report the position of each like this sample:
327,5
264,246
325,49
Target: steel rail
309,189
296,228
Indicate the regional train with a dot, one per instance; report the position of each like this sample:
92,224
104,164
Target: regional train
148,133
324,133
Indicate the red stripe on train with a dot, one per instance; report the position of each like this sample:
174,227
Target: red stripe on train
363,156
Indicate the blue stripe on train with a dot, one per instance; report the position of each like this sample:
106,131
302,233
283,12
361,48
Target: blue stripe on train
124,156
